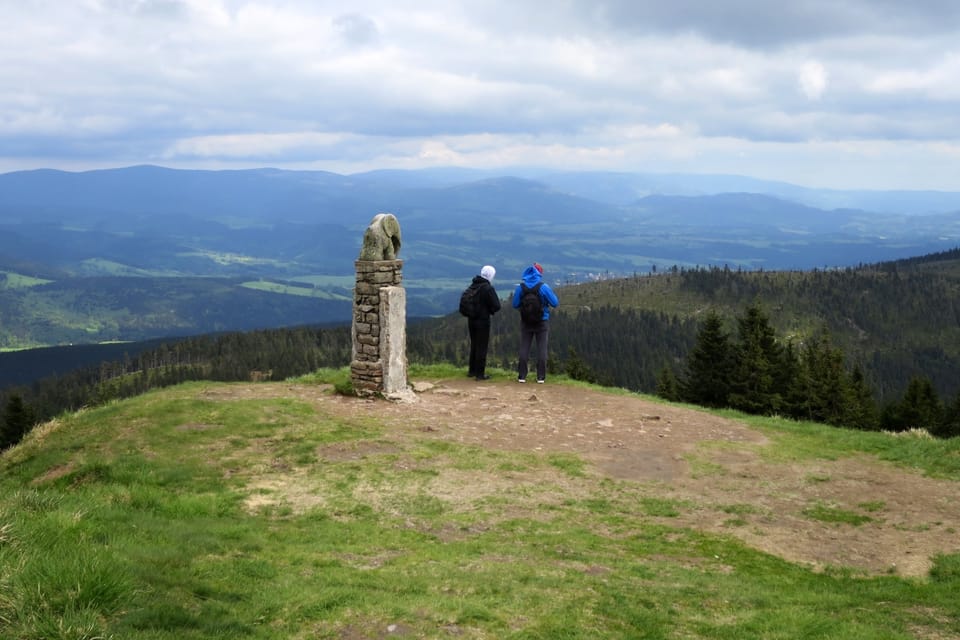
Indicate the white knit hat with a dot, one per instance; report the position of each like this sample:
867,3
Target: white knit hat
488,272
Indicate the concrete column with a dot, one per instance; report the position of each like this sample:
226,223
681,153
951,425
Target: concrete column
393,339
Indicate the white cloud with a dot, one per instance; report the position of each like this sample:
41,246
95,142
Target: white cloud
812,80
253,145
938,80
618,84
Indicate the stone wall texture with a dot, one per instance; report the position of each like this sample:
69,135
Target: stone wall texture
379,354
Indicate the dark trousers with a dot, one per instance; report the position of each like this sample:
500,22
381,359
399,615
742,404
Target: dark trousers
479,341
528,332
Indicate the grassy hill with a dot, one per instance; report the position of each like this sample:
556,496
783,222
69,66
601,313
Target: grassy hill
281,510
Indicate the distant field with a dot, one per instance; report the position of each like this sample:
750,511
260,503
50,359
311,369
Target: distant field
326,281
436,284
104,267
227,258
11,280
286,289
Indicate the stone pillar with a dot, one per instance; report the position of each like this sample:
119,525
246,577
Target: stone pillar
379,354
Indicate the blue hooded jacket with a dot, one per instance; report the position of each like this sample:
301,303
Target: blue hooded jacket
530,278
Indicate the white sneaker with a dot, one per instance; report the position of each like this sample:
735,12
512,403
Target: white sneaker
521,379
540,381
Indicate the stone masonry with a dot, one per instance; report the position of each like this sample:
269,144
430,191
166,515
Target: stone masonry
379,356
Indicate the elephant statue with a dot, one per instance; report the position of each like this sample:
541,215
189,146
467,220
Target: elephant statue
381,240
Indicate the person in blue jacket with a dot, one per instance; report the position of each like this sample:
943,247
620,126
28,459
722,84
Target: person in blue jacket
531,328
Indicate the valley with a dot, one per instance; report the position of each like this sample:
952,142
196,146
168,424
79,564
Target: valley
145,252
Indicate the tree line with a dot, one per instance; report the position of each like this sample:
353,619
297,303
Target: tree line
274,354
752,370
876,325
898,319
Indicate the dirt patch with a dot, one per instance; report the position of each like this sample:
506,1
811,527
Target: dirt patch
196,426
53,473
354,450
711,463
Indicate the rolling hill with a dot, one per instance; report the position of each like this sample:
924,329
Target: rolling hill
207,235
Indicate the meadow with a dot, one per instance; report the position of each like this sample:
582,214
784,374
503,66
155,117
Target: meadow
277,511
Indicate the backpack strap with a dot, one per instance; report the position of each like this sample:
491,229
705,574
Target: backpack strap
536,287
524,288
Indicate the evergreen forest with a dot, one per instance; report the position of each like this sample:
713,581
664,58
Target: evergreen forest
872,347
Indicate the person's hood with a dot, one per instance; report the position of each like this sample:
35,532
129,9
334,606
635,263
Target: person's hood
478,280
531,276
488,272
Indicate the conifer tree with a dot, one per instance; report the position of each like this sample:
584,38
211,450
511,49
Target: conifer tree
16,421
862,412
758,358
668,387
949,426
793,383
828,392
709,366
577,369
920,407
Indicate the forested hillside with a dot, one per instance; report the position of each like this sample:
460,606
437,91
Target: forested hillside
896,319
884,333
134,308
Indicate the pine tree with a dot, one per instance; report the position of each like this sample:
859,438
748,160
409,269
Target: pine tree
862,412
828,393
949,426
577,369
16,421
793,383
668,387
709,366
758,358
920,407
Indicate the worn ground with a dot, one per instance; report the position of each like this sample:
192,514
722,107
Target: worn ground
717,466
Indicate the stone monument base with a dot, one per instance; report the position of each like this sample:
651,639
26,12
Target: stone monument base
379,350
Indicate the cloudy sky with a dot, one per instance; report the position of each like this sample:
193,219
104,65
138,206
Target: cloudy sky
824,93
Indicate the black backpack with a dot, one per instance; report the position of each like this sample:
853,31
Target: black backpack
470,301
531,306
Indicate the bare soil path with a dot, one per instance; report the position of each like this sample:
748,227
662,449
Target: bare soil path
715,464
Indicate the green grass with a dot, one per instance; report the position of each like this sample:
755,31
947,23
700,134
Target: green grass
833,514
104,267
290,290
229,258
13,280
187,513
938,458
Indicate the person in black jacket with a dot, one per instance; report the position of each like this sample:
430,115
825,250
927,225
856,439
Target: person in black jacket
487,304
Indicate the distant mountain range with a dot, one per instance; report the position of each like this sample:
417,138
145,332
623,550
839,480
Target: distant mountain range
282,238
298,196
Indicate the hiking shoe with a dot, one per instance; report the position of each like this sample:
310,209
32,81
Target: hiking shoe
482,378
540,381
521,379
